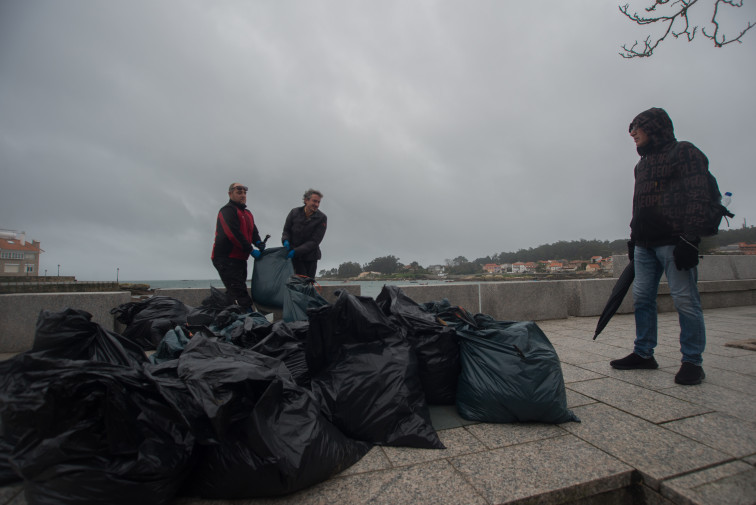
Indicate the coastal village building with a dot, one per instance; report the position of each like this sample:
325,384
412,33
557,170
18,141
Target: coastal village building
492,268
18,258
437,269
747,248
739,248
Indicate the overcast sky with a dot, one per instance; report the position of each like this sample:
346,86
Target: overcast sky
434,129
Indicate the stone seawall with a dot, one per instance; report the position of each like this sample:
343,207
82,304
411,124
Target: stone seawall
725,281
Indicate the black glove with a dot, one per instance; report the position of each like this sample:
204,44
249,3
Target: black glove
686,254
631,249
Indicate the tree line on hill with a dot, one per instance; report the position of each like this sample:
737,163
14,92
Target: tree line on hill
562,250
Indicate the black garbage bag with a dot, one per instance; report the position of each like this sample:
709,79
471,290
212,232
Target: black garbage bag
205,314
300,295
365,375
287,342
71,334
89,432
244,330
7,474
171,346
510,373
271,271
148,321
273,439
452,315
434,342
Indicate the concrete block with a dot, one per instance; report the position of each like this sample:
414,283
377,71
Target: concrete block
592,295
466,296
528,300
19,313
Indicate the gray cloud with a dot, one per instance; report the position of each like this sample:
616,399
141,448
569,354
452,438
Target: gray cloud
434,129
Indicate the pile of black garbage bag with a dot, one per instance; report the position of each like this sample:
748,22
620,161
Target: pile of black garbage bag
230,405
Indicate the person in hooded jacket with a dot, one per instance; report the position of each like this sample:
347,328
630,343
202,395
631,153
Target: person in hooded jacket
303,232
235,232
669,200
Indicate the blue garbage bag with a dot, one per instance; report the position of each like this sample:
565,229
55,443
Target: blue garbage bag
271,271
300,296
510,373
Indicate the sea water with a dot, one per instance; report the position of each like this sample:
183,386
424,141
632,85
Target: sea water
367,288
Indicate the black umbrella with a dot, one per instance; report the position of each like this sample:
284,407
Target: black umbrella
615,299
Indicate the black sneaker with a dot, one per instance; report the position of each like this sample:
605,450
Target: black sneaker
634,362
690,374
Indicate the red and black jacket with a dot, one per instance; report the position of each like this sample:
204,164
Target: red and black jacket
235,232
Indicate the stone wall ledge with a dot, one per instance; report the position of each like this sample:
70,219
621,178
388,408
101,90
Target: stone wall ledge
725,281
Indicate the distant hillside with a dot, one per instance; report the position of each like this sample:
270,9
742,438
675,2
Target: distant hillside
723,238
574,250
585,249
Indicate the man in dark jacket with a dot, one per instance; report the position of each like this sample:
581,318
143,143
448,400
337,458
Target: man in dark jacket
235,232
303,232
670,197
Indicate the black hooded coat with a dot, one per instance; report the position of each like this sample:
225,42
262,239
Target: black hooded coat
671,194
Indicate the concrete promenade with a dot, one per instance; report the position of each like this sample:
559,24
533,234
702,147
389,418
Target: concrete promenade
642,440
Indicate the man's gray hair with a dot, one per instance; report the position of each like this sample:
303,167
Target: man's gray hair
311,192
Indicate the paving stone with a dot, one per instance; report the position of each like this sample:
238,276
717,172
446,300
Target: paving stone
730,380
572,373
9,493
434,483
444,417
494,436
720,431
743,364
649,405
729,484
657,453
577,356
575,399
458,441
649,379
375,459
554,470
739,404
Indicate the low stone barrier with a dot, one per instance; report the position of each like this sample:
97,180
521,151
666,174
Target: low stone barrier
19,313
725,281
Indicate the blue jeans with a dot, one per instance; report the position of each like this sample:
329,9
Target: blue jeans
650,263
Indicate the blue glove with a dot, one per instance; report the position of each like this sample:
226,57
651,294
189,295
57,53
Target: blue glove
291,254
287,245
255,254
260,245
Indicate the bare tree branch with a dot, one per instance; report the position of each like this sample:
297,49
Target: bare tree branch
677,17
723,40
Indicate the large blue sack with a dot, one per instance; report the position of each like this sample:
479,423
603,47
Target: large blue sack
510,373
271,271
301,295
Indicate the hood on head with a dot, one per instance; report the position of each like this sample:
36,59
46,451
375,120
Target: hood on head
655,122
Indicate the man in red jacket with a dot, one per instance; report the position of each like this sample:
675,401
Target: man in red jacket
235,232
